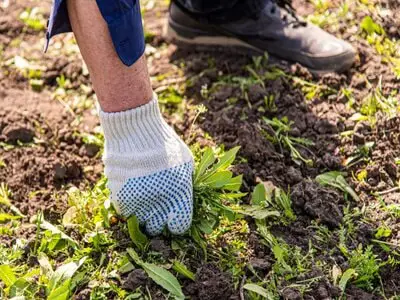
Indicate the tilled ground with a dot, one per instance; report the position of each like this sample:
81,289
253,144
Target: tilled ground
44,151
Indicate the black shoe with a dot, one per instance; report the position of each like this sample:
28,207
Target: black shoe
276,30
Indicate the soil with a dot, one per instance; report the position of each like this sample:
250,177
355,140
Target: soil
318,203
210,284
44,154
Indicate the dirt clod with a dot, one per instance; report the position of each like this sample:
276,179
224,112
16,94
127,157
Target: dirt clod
211,284
318,202
260,264
291,294
160,245
15,132
136,278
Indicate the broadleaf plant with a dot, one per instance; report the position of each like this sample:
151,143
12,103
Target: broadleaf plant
337,180
214,187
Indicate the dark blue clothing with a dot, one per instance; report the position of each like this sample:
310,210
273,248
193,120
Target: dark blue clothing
124,23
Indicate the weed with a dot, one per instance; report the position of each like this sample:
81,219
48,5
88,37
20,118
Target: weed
383,231
170,96
290,262
386,47
5,195
33,19
269,104
366,265
394,210
160,275
281,129
28,70
312,90
336,179
230,241
348,228
361,154
214,187
376,102
256,292
92,139
269,201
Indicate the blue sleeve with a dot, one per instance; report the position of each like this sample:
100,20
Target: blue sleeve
124,21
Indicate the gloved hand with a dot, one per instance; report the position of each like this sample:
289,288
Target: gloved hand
149,169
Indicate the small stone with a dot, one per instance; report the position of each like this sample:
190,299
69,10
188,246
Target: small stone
91,149
358,138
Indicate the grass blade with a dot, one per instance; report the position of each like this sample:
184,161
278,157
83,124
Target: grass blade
258,290
183,270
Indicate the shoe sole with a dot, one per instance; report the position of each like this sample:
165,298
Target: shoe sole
202,41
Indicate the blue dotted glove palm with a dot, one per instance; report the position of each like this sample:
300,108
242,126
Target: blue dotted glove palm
149,169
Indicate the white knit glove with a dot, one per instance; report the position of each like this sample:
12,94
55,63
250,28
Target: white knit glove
149,169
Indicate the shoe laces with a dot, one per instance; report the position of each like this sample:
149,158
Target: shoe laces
289,13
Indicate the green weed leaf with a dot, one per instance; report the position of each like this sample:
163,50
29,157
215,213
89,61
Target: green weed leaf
224,162
62,274
258,195
258,290
159,275
370,27
207,225
7,217
336,179
165,279
19,287
183,270
219,179
347,275
234,184
206,161
54,230
7,275
259,213
45,265
137,237
61,292
227,159
383,232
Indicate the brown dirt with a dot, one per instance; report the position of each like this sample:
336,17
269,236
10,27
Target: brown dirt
46,154
210,284
319,203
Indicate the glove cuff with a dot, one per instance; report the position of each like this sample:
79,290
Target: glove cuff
135,130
